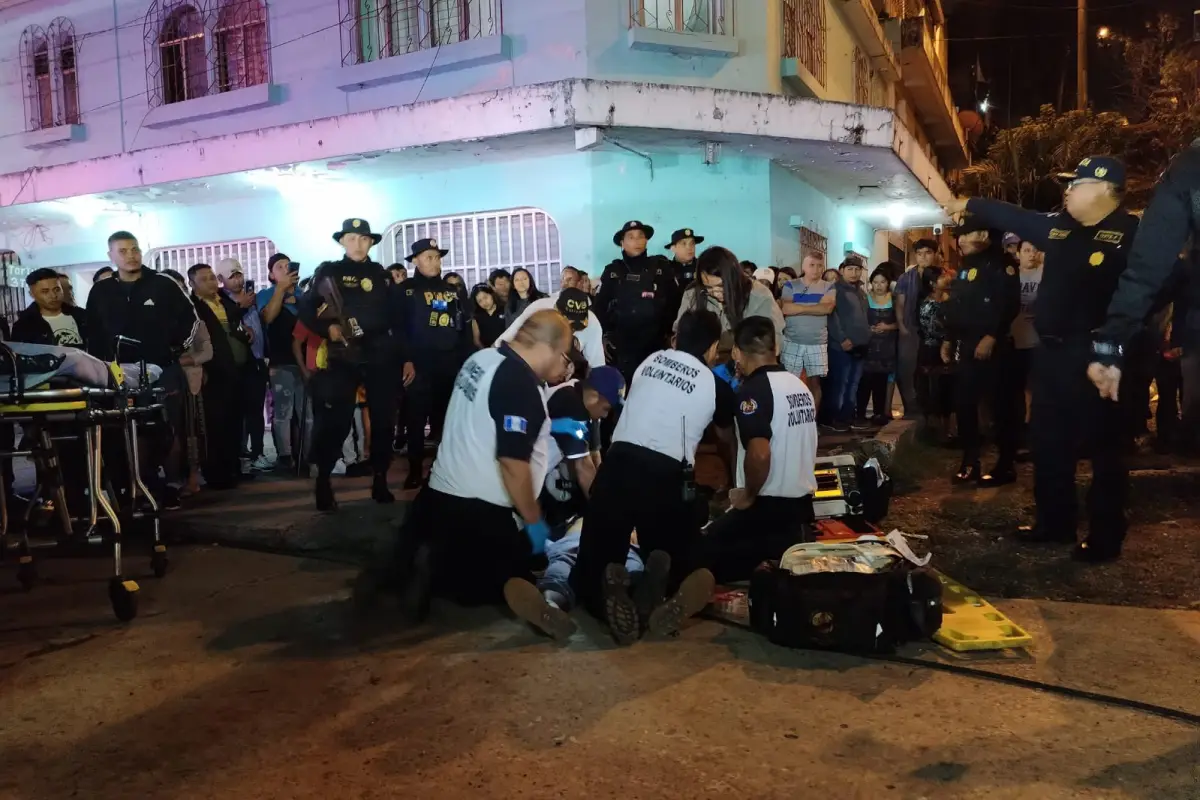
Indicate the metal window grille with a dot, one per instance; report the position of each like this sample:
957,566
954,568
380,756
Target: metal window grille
814,243
479,243
252,254
61,34
683,16
47,57
203,47
804,38
864,77
375,29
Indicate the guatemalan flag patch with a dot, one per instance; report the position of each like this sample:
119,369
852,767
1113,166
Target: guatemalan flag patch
515,424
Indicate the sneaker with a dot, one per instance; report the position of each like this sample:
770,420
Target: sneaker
840,427
262,464
619,608
694,595
860,424
528,603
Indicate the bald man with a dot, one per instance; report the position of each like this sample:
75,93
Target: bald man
478,522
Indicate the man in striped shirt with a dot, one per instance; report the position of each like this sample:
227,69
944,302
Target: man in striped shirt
807,302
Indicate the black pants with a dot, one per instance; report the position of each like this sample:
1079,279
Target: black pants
254,394
477,546
335,392
635,488
978,382
427,399
872,387
734,545
1069,416
224,401
1169,378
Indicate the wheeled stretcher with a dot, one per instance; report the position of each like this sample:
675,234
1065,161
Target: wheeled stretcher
58,395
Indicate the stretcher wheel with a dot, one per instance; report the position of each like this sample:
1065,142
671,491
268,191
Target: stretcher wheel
123,594
27,573
159,561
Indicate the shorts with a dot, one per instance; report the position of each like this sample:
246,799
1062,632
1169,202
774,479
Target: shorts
811,359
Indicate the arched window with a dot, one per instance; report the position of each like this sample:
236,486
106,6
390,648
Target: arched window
61,35
182,60
240,36
38,84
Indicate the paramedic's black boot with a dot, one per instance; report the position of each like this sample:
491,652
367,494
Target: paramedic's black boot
694,595
379,489
324,492
619,608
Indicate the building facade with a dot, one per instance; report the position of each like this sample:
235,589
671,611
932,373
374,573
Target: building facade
518,132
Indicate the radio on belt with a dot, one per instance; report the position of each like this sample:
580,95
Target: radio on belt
837,494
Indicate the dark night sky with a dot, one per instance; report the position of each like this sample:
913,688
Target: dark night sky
1027,49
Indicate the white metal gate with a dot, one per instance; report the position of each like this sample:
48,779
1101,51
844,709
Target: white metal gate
481,242
252,254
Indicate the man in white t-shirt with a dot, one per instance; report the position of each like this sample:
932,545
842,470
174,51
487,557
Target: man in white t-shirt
647,483
777,452
807,303
49,319
576,306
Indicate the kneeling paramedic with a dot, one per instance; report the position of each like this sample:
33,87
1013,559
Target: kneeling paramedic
647,482
776,460
354,306
478,522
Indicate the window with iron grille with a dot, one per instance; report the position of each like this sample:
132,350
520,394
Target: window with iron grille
479,243
864,76
804,35
813,243
252,254
198,48
375,29
48,74
683,16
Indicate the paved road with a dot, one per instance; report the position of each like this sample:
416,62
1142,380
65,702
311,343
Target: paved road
246,677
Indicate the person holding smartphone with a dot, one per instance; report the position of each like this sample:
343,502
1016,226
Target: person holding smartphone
277,305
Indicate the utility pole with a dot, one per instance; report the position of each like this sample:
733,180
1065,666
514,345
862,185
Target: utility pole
1081,64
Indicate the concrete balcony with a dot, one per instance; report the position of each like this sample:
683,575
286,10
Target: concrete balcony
924,76
863,20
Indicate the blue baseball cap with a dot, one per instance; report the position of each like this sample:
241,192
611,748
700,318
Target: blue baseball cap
609,382
1098,168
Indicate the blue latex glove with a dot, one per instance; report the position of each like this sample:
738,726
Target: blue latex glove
569,427
726,373
538,533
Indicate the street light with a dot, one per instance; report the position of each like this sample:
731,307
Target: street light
1103,33
984,105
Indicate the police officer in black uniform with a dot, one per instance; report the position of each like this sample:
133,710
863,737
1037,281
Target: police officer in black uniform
683,246
984,301
439,340
638,299
354,306
1171,221
1086,246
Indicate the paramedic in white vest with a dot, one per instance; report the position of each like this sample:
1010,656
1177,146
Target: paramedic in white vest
647,479
777,452
478,521
576,306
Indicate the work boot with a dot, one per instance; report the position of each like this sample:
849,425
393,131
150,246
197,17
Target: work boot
651,588
530,604
694,595
379,489
619,608
324,491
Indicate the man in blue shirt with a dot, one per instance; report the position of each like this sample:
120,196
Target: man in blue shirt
277,305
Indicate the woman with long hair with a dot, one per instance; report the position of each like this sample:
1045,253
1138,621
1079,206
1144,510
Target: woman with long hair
880,360
725,289
524,291
487,321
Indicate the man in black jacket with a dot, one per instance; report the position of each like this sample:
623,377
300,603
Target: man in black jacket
49,319
225,376
354,305
984,301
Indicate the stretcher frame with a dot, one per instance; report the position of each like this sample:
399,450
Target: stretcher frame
92,410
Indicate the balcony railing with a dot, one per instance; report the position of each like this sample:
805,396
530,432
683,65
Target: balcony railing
375,29
683,16
804,35
917,32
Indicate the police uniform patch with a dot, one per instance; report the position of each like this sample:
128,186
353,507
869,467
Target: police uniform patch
356,223
1096,259
433,242
1110,237
367,285
972,274
1101,172
515,424
749,406
687,231
444,321
1059,233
